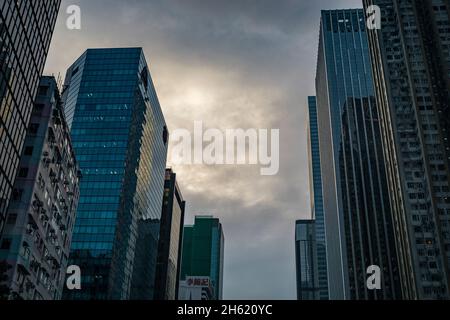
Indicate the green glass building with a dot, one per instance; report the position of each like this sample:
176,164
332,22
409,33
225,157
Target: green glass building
203,252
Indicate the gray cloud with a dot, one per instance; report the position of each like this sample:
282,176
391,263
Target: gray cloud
230,63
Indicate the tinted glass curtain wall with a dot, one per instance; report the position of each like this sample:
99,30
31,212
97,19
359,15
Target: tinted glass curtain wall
358,219
120,138
315,179
26,28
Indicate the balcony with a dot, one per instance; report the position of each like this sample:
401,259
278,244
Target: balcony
23,266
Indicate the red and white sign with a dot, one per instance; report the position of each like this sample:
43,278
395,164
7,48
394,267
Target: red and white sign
197,281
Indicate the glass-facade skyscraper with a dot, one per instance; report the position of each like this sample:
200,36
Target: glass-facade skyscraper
306,260
203,252
26,29
317,201
120,139
411,63
358,219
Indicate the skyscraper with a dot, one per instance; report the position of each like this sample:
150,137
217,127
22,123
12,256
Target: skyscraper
170,241
411,63
358,221
317,201
120,138
306,260
24,43
203,252
41,215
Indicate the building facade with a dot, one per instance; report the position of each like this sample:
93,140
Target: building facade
26,28
411,62
41,215
196,289
306,260
203,252
316,200
120,138
168,267
358,218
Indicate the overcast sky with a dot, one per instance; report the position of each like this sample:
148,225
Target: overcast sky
232,64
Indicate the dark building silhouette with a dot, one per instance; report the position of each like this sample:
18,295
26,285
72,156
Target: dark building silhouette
170,240
306,260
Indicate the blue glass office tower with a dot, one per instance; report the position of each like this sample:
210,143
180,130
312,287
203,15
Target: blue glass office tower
317,201
120,139
358,219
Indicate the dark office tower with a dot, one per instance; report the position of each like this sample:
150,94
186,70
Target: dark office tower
358,221
317,201
203,252
306,259
41,214
170,241
411,62
26,28
120,139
